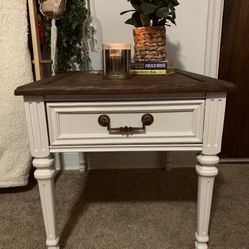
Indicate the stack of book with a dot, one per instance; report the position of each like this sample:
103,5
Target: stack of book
152,68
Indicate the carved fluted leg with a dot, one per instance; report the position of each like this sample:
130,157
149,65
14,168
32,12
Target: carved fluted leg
206,174
45,177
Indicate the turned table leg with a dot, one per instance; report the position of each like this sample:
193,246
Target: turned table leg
45,176
206,174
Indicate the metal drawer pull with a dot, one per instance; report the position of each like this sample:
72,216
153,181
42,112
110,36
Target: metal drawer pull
105,121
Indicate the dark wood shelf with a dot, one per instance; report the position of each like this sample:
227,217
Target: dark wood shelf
80,83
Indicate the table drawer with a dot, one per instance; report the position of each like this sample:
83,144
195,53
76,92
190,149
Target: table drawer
174,121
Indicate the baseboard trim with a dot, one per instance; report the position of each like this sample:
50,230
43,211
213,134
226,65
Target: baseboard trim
234,161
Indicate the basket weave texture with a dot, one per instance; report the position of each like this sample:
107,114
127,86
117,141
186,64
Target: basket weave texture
150,43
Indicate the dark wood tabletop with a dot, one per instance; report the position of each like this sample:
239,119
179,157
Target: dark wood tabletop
80,83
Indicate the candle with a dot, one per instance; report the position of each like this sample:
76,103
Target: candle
115,61
116,58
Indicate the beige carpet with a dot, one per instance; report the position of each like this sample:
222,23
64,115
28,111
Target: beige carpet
129,209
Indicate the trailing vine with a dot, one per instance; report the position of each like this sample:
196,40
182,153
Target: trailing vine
69,53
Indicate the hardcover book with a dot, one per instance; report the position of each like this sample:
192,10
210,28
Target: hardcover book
152,68
151,72
149,65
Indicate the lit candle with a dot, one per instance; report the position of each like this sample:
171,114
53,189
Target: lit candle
116,60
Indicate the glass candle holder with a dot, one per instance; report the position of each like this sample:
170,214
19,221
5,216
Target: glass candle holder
116,60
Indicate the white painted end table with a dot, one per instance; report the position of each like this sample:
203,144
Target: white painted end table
77,112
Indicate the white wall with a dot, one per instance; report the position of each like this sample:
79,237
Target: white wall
193,45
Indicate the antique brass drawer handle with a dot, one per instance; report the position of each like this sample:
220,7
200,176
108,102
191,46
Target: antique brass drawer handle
105,121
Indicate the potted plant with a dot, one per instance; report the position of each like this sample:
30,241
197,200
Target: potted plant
150,18
69,52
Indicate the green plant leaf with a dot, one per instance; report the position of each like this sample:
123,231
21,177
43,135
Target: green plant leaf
126,11
161,22
175,2
171,19
145,20
173,13
134,20
148,8
163,12
131,21
136,7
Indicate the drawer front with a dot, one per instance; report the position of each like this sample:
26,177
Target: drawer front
76,123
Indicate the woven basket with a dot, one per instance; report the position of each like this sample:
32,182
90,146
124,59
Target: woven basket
48,8
150,43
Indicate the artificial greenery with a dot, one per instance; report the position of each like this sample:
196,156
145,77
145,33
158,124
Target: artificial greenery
69,52
152,12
